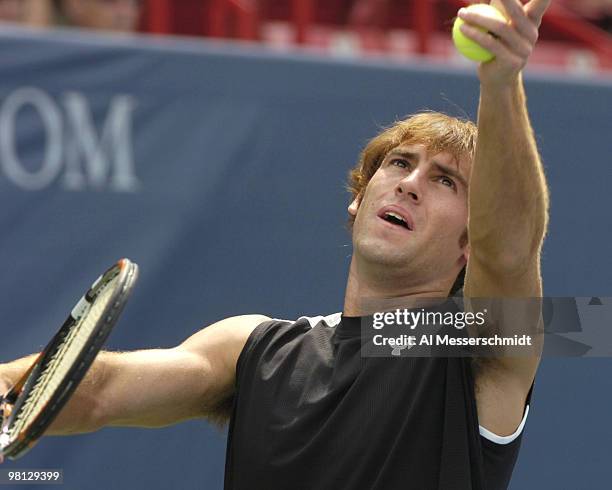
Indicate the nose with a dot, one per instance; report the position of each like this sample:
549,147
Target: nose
409,187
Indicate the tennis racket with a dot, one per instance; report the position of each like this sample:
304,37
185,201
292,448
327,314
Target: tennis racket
29,407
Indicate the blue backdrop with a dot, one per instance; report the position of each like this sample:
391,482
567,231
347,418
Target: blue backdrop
220,170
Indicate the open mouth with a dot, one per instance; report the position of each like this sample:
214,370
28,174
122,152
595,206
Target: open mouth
395,219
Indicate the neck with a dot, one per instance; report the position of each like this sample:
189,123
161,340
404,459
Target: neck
368,291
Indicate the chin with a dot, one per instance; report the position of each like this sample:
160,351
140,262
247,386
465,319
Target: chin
384,254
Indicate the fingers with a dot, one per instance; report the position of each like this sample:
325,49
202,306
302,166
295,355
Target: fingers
535,10
502,38
487,41
520,20
509,39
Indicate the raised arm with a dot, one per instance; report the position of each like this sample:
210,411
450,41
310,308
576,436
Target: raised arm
508,198
508,202
157,387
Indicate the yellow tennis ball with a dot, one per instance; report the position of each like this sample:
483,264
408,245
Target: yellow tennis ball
467,47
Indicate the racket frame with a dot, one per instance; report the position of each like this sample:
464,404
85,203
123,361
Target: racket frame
128,274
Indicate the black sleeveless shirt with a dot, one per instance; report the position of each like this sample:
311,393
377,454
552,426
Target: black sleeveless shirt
310,413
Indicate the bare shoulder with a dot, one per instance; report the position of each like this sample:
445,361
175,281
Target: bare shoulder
222,342
218,347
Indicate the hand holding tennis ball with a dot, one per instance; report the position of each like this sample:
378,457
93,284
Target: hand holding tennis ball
468,48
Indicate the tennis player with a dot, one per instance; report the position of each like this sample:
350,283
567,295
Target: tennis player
306,411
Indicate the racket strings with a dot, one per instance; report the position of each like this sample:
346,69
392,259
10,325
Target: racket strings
61,361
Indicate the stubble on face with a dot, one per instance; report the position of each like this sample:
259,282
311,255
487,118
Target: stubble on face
437,209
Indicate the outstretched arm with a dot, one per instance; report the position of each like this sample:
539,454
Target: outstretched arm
508,200
157,387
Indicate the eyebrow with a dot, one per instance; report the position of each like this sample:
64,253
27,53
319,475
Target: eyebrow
442,168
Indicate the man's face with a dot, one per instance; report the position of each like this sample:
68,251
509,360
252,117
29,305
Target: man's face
112,15
429,194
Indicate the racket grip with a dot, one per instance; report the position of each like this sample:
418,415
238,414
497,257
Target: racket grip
5,406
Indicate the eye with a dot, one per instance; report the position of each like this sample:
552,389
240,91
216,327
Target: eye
448,182
399,162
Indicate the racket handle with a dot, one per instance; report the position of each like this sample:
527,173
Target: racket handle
4,392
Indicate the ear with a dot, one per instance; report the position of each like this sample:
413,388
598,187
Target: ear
464,247
354,206
466,253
